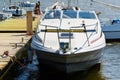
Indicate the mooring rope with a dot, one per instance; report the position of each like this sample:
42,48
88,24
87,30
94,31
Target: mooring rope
13,58
110,5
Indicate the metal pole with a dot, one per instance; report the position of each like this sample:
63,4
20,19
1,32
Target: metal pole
70,39
77,2
69,3
10,2
45,35
86,33
58,37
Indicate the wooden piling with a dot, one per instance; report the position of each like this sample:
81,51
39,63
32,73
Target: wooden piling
29,23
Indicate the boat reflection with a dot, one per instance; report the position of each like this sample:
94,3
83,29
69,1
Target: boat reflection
46,73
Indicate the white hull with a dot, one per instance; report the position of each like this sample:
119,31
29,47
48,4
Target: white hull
112,34
112,30
4,16
69,63
14,10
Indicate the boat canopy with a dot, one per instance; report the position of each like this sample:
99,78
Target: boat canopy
57,14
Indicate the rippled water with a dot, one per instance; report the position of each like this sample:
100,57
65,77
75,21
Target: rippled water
111,62
107,70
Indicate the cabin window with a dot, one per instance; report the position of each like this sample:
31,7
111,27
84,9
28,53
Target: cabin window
69,14
87,15
66,35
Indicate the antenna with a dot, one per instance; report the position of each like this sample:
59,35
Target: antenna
10,2
77,2
56,0
110,5
69,3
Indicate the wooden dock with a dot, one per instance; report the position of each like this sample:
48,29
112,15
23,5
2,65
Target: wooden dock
16,24
13,39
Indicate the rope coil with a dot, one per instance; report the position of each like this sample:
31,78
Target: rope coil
13,58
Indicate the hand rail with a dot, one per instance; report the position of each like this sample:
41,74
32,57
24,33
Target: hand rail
44,35
86,33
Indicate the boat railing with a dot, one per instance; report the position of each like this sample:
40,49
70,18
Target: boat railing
85,30
76,29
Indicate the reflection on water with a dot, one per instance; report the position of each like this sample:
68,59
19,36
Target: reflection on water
32,72
92,74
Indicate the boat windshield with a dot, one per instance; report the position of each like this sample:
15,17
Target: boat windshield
13,7
69,14
87,15
53,14
57,14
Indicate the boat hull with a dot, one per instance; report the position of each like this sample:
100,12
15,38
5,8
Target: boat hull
70,62
112,34
111,31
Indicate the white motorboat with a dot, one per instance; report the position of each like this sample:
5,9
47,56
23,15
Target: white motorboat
112,29
4,16
14,10
68,39
26,4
